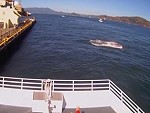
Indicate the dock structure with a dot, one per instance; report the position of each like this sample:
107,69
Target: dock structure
10,27
11,34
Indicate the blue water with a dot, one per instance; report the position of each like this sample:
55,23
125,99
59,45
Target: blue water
59,48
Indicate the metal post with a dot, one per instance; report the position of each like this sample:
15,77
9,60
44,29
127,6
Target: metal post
21,83
109,84
92,85
3,81
48,90
42,85
138,110
53,85
73,85
121,97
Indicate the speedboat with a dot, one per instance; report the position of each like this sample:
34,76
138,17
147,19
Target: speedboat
100,20
106,44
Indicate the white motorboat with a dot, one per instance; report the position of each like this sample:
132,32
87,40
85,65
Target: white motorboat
23,95
106,44
100,20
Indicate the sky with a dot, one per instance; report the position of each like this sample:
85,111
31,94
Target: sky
96,7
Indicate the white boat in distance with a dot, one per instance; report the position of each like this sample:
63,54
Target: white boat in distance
111,44
100,20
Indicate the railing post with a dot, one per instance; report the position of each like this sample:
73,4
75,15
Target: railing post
22,83
121,96
109,84
53,85
42,84
138,109
92,85
3,81
73,86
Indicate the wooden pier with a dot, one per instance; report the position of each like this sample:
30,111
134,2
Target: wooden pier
11,34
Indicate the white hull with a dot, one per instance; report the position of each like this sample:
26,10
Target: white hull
100,20
106,44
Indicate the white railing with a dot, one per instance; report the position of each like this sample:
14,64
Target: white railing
80,85
125,99
21,83
70,85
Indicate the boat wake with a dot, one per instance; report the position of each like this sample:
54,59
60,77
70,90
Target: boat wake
111,44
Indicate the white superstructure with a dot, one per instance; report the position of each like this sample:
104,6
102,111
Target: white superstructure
22,95
10,11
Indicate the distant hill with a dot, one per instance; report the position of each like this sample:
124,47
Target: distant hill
41,10
130,20
36,10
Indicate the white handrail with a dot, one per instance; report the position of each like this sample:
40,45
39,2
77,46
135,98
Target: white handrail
125,99
21,83
70,85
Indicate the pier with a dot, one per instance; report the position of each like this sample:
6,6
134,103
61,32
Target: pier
7,36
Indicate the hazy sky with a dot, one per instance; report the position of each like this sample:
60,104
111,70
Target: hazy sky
96,7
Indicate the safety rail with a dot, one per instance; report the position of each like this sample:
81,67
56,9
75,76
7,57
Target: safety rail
21,83
80,85
70,85
125,99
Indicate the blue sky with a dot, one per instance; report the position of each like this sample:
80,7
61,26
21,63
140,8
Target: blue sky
96,7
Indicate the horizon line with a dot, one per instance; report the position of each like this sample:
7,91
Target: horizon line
92,14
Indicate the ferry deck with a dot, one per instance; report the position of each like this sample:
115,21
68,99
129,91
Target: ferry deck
22,95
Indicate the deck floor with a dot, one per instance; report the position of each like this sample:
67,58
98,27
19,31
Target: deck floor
107,109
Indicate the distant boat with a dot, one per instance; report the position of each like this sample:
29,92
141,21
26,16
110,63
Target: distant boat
106,44
63,16
28,14
100,20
